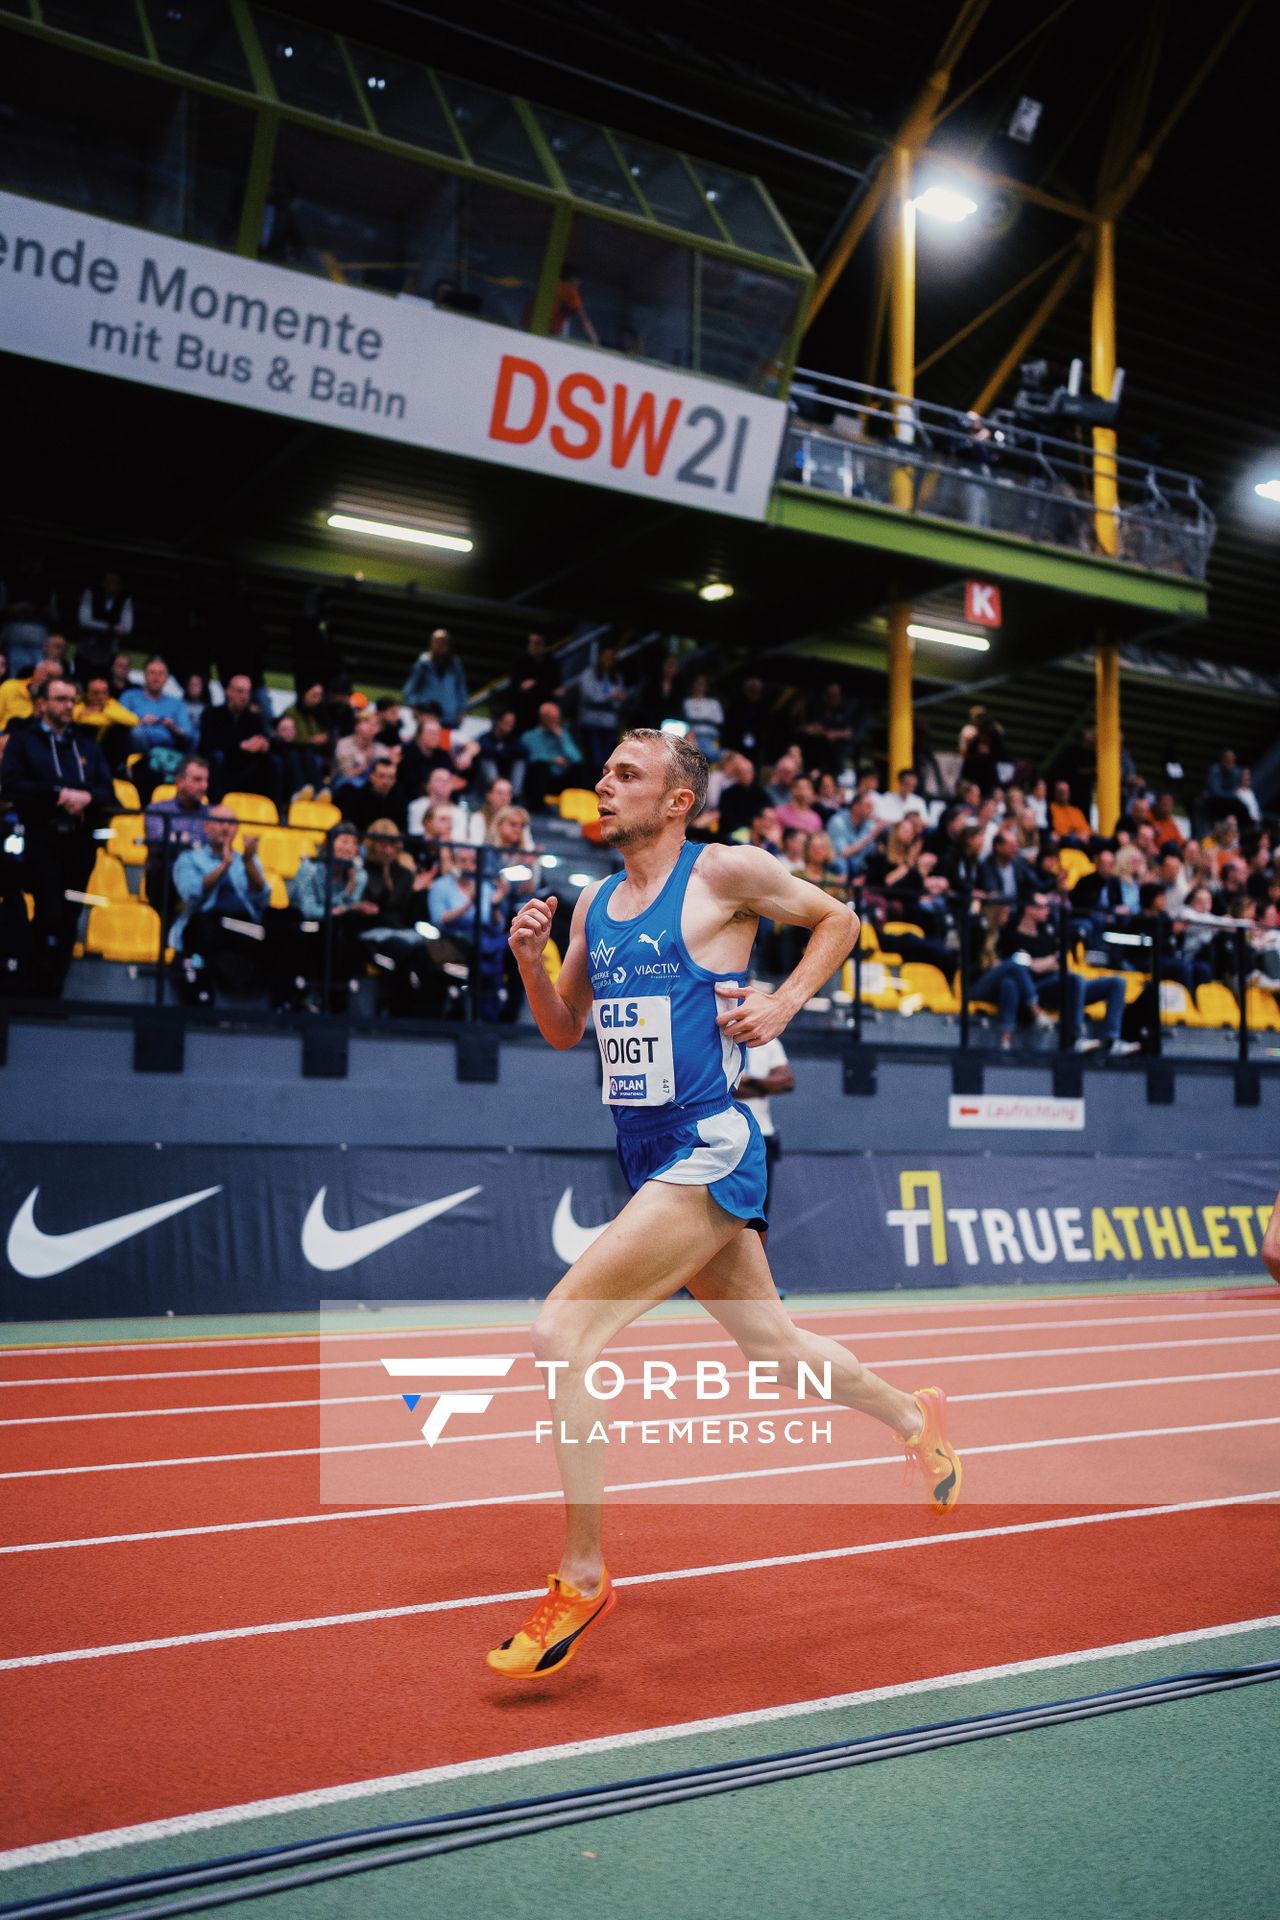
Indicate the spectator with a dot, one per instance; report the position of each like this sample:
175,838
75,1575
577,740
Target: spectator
30,611
106,619
1247,798
703,715
828,798
330,887
741,800
56,652
778,783
18,698
798,810
962,863
120,675
408,982
390,721
436,832
499,754
766,833
1029,933
437,682
497,797
160,734
234,739
441,786
104,720
375,796
1038,801
554,760
354,755
856,831
452,906
567,307
301,768
61,789
424,754
820,865
1009,983
223,894
1222,784
1224,840
195,701
1067,820
659,697
826,729
170,826
602,692
892,807
535,680
1095,898
313,723
340,703
1005,875
749,724
1167,831
766,1072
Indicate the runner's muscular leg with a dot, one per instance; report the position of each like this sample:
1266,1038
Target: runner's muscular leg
737,1287
663,1238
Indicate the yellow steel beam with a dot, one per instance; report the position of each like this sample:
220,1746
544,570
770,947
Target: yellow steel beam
1010,53
1055,295
901,730
1107,713
1106,492
902,315
913,132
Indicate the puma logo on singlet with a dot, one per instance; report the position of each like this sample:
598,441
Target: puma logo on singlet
647,940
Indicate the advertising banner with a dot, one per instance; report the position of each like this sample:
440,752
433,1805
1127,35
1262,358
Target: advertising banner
110,1230
85,292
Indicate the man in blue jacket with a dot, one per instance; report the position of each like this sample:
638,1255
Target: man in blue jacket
61,786
437,681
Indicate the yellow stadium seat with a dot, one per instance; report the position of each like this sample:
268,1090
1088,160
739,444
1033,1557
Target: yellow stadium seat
1262,1012
252,807
282,851
1075,864
579,803
127,842
165,791
1177,1008
917,976
551,961
108,877
126,795
1216,1006
879,989
279,891
125,930
313,813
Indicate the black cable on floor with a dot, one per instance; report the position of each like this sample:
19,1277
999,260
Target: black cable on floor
312,1863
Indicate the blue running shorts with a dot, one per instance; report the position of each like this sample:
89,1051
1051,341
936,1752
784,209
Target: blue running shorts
720,1148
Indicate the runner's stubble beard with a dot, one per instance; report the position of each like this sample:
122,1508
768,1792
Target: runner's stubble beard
637,834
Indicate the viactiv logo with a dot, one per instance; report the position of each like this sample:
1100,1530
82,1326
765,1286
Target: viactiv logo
478,1366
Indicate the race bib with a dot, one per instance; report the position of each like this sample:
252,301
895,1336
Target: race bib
636,1058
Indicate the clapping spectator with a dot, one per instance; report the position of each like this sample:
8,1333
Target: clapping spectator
554,759
437,682
224,896
106,619
171,826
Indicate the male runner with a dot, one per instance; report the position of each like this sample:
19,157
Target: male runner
662,948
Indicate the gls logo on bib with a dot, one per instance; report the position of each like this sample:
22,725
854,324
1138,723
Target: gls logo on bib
636,1055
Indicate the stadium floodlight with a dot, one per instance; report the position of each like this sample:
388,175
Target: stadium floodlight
715,590
945,203
1268,490
393,530
948,637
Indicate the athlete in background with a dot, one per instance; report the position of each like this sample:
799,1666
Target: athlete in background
662,950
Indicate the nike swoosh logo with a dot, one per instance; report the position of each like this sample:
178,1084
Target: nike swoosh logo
332,1248
39,1256
567,1237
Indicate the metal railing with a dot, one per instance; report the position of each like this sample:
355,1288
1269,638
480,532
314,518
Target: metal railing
998,474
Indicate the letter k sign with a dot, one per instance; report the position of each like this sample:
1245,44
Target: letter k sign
480,1366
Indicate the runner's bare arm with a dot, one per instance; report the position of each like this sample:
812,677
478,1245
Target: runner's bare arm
750,881
562,1008
1271,1244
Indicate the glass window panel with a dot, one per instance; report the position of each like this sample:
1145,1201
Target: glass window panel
747,318
375,220
307,67
404,102
124,145
664,181
114,23
744,210
636,290
587,160
199,36
493,130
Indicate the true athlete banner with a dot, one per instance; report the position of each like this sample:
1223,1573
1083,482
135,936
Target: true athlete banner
85,292
239,1229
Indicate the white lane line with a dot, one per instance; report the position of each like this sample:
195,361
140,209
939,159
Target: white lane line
697,1319
697,1346
637,1486
77,1845
736,1373
367,1615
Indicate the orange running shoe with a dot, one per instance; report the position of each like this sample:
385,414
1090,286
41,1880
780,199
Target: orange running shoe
549,1638
933,1453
